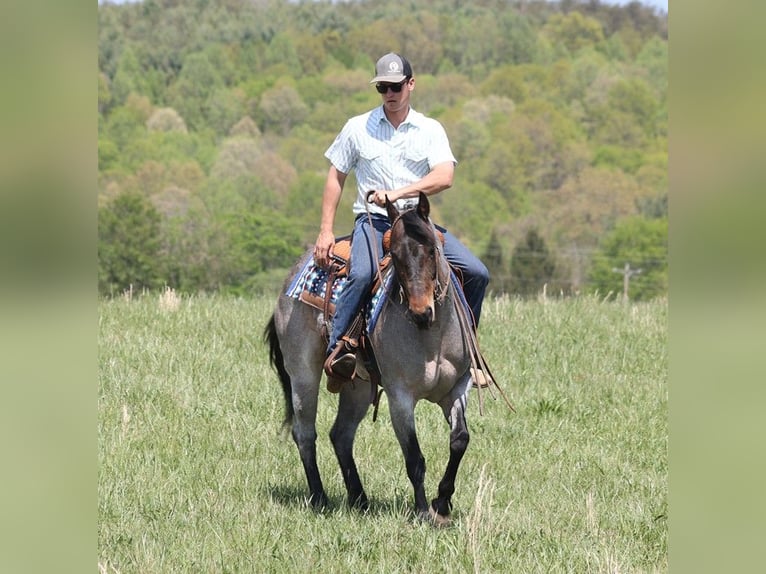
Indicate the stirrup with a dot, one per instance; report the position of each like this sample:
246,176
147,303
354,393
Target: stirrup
340,365
480,379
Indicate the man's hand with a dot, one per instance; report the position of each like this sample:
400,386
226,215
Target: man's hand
323,248
378,197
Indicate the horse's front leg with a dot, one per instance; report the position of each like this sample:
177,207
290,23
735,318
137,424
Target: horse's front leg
402,411
353,405
441,506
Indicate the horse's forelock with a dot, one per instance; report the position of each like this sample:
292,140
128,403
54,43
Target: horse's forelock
417,228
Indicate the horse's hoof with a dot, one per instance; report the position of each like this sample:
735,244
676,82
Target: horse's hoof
438,520
360,503
319,503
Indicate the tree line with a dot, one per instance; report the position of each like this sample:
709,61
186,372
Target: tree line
214,116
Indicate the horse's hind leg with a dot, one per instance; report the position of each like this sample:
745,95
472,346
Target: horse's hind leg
458,443
303,352
305,436
353,405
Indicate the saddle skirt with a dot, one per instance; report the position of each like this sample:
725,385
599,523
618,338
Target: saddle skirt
309,285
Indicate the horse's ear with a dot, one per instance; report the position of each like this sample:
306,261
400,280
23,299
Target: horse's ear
393,213
424,207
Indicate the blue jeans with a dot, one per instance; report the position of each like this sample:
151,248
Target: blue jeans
363,268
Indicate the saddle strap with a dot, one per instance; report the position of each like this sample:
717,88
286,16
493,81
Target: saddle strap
354,332
332,274
368,358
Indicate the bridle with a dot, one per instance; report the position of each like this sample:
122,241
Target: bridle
441,285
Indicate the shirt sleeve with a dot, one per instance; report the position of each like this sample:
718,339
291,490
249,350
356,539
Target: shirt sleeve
342,153
439,150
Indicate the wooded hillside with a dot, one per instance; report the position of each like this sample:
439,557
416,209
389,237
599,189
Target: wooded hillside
214,116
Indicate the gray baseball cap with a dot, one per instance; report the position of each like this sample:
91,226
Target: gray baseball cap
392,68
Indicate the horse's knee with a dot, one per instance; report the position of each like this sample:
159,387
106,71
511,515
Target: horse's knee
415,461
302,437
459,440
341,433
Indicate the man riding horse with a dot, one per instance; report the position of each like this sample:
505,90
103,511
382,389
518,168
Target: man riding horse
397,153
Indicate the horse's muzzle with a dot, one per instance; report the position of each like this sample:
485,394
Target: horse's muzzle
424,319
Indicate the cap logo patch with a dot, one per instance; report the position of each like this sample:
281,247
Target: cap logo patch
393,67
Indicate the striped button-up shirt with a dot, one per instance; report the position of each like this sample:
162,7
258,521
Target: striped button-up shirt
387,158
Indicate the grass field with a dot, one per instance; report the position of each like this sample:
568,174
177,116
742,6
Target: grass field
195,475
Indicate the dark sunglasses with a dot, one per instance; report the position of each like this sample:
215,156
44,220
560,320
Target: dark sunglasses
396,88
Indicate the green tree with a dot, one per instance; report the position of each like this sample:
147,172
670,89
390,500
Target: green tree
471,210
280,109
574,30
224,108
108,155
128,245
520,43
129,78
643,244
532,266
508,82
185,240
629,116
166,120
471,52
556,112
256,243
125,125
653,58
588,205
305,202
197,82
634,98
104,93
310,51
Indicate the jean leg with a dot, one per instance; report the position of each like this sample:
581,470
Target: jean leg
361,275
475,273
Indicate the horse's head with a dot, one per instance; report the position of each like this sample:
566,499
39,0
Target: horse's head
414,252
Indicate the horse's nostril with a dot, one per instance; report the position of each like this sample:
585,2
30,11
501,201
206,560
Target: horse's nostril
423,320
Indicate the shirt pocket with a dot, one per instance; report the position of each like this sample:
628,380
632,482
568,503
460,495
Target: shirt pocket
416,160
370,154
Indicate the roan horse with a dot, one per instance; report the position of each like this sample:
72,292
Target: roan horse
419,347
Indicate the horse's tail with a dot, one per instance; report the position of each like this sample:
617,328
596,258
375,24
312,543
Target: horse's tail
278,363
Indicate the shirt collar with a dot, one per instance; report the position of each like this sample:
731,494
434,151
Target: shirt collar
413,118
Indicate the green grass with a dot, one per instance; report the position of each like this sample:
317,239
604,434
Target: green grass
195,476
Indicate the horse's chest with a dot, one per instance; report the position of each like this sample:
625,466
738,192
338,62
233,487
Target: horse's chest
438,372
431,372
